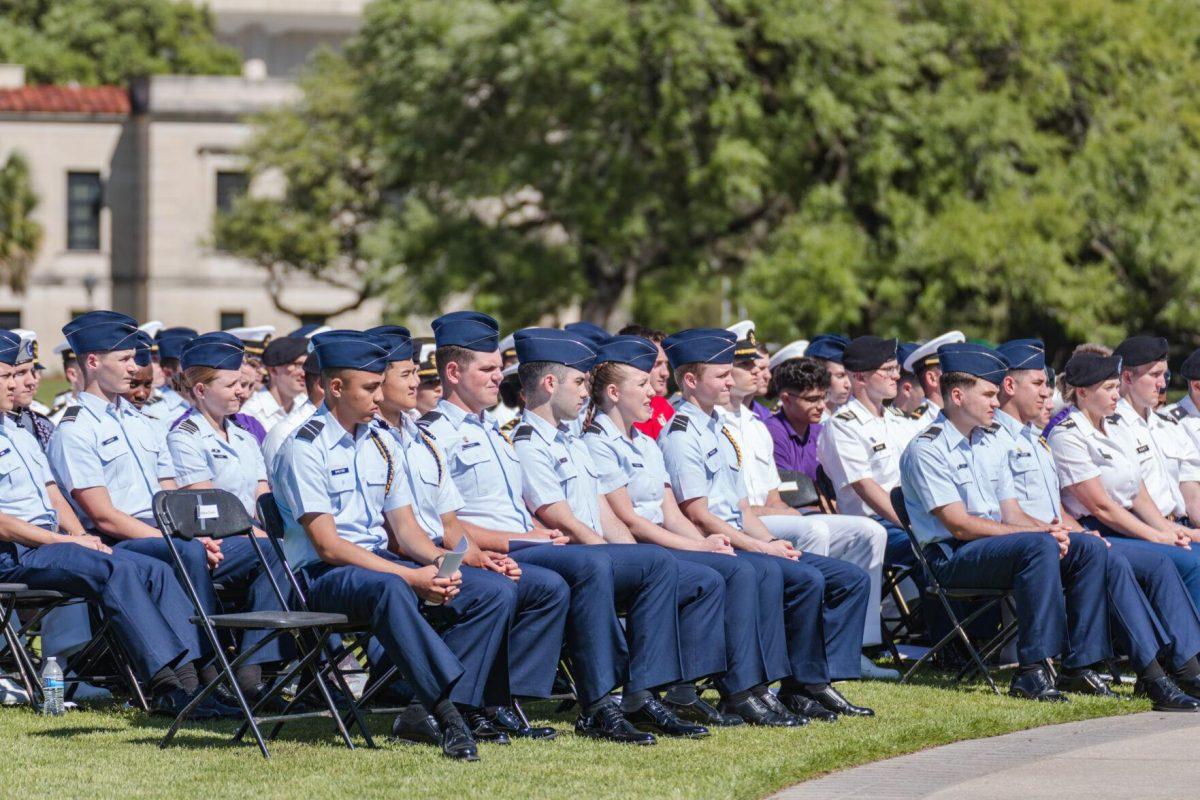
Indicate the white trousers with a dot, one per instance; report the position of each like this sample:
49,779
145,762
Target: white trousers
859,540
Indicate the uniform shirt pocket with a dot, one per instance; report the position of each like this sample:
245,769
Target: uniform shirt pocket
111,448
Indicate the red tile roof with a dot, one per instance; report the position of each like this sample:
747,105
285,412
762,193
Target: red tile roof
65,100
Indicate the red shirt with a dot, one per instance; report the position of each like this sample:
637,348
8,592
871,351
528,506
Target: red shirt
660,414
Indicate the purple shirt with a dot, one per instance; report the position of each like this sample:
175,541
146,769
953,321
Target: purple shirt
793,451
760,411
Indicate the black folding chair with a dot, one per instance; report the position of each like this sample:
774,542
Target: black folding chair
190,513
799,491
987,599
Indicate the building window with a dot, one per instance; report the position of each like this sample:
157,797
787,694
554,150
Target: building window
230,186
10,319
83,210
232,319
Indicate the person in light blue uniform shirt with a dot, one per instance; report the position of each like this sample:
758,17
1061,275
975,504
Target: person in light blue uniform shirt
339,480
169,344
210,452
824,600
44,546
634,480
967,518
1150,611
536,635
484,466
661,595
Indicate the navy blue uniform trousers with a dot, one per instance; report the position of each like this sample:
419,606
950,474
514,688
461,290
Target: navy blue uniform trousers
646,586
140,596
824,607
700,603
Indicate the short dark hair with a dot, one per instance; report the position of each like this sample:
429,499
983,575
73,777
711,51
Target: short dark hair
956,380
799,375
652,334
531,373
462,356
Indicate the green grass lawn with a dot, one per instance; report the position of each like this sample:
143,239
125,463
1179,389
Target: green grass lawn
114,753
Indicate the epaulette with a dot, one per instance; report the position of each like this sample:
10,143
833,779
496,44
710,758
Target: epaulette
931,432
70,414
382,424
679,422
995,426
523,433
1178,413
1114,418
1167,418
151,401
592,427
847,416
919,411
308,432
430,416
189,426
1067,423
511,425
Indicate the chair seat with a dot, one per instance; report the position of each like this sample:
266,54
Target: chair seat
275,620
973,594
30,597
10,588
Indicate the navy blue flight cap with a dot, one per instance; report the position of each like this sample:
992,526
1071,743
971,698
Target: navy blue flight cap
470,329
101,332
1089,369
1024,353
592,334
1190,368
1139,350
636,351
700,346
350,350
396,338
553,345
217,350
903,351
170,341
973,359
827,346
10,347
143,354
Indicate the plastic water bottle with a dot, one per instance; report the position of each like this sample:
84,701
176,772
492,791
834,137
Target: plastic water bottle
52,688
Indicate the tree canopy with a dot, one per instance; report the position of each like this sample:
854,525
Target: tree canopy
899,166
110,41
20,234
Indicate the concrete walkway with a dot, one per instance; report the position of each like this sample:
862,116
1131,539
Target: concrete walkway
1143,756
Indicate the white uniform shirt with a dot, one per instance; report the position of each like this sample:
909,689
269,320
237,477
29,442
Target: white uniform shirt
1082,452
1160,472
263,406
277,435
855,444
758,452
1184,412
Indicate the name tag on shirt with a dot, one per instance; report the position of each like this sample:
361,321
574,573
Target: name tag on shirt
467,445
340,471
109,441
711,453
1144,448
879,447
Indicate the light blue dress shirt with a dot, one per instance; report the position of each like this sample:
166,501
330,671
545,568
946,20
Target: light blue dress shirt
199,455
113,445
355,477
483,465
702,461
433,493
941,466
635,463
24,476
556,466
1024,452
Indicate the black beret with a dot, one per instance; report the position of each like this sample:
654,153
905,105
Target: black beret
868,353
1138,350
1190,368
1088,369
284,350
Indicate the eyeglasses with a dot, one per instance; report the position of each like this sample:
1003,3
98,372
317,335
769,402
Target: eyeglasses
892,370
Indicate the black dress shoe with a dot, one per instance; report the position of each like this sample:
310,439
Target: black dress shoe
754,712
831,699
505,719
609,723
802,706
415,725
218,708
1165,695
701,712
1085,681
457,741
174,701
768,699
1035,685
1190,686
482,729
654,715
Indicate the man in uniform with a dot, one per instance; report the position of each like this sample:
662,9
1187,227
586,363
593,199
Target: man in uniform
25,383
485,469
827,349
339,482
910,395
429,390
1154,618
74,382
284,360
966,516
825,600
169,344
922,362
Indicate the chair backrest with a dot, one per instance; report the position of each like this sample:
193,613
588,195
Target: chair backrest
801,491
188,513
273,524
826,491
897,498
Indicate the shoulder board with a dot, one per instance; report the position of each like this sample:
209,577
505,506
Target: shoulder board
70,414
679,422
1115,418
1167,418
995,426
593,428
919,411
152,400
931,432
1177,413
308,432
847,416
189,426
511,425
382,424
430,416
523,433
1067,423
